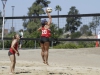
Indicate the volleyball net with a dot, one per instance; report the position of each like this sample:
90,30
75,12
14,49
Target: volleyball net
62,28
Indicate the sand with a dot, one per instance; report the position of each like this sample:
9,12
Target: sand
84,61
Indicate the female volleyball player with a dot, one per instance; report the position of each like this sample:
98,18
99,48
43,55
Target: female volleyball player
44,40
13,50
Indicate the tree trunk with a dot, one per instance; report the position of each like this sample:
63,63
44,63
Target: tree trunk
58,19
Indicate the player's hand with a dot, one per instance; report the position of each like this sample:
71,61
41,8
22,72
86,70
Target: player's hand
18,54
46,11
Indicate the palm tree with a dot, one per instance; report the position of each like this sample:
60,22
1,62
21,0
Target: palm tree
58,8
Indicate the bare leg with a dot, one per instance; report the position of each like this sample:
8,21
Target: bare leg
42,52
46,45
20,46
13,62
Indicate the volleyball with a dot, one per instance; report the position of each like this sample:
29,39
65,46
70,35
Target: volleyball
49,9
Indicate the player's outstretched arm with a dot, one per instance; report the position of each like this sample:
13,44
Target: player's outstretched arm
39,29
49,16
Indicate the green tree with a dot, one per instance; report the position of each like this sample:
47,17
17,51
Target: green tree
95,23
91,26
58,8
37,7
85,30
25,23
33,26
60,31
73,22
75,35
54,31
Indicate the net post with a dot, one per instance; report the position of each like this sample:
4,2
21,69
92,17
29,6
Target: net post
4,3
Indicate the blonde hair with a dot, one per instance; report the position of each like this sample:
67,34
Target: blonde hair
14,37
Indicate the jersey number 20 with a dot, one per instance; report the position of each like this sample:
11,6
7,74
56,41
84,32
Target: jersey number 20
44,31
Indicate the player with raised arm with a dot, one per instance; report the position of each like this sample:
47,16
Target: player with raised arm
44,40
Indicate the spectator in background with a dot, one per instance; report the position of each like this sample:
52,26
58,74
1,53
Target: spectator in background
21,36
98,37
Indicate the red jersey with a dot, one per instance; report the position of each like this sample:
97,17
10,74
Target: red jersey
45,32
16,47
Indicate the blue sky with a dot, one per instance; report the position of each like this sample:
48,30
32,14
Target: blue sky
84,6
21,6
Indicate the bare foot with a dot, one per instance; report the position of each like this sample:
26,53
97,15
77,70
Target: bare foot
10,73
46,63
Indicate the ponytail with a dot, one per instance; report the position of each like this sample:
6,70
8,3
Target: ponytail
14,37
43,25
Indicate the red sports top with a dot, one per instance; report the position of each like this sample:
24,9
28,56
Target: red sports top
16,47
45,32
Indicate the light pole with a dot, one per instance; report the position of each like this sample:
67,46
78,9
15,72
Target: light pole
0,20
12,16
4,3
0,11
